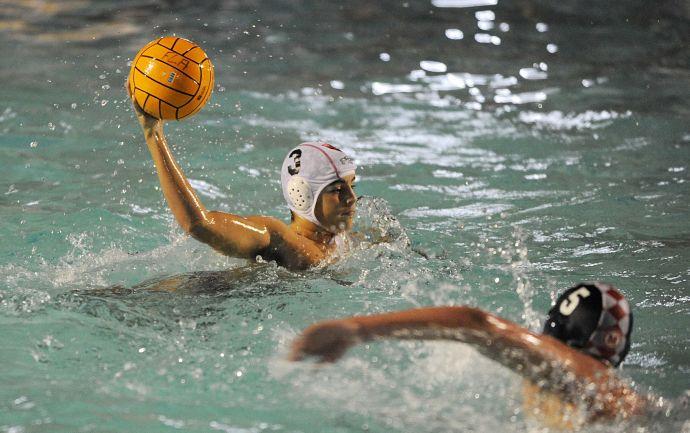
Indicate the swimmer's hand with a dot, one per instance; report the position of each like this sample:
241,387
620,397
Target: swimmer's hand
148,123
327,340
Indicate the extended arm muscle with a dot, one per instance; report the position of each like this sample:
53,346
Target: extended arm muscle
183,201
230,234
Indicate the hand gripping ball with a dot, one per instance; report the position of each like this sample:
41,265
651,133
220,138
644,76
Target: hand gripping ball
171,78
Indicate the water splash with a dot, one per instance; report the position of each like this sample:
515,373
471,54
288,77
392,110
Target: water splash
516,256
376,224
30,286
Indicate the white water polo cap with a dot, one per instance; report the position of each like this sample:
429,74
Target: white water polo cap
307,170
595,318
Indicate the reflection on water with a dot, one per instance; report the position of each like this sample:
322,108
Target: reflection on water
463,3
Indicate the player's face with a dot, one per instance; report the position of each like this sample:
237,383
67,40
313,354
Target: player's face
335,207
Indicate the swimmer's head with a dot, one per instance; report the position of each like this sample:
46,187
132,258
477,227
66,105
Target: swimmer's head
595,318
311,169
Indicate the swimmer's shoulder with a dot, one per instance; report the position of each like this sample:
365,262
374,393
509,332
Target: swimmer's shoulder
271,223
286,246
277,228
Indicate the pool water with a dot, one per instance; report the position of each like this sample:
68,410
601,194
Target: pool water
506,152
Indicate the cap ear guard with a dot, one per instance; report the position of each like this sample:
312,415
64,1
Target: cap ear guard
299,192
611,340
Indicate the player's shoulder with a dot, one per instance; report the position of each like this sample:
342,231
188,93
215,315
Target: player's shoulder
286,245
272,224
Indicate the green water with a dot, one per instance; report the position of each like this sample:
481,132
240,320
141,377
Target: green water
480,186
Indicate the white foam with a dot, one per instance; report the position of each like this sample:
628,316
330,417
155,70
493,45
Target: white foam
475,210
559,120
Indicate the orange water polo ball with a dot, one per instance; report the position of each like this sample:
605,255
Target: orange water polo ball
171,78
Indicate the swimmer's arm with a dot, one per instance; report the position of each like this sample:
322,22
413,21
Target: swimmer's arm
470,325
541,359
330,339
230,234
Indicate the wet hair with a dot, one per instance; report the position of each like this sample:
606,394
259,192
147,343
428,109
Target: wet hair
594,318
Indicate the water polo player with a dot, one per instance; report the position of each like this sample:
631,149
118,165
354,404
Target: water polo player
568,368
317,179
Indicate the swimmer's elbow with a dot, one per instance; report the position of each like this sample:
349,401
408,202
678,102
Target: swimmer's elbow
228,239
193,223
482,322
202,232
199,230
472,318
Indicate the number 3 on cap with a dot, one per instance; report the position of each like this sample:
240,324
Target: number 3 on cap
569,305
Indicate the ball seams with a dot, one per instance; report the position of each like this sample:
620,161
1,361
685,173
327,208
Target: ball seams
172,66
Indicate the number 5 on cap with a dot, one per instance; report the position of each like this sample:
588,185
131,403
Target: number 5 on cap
569,305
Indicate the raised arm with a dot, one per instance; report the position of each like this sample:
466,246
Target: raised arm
230,234
541,359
